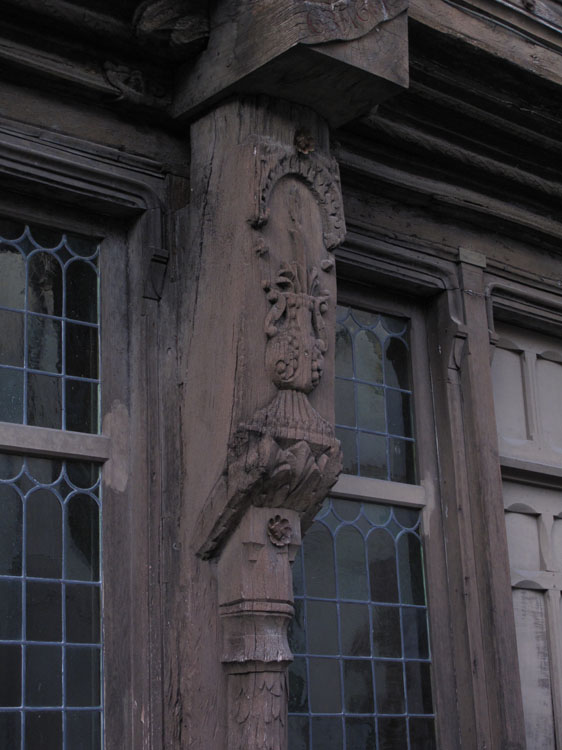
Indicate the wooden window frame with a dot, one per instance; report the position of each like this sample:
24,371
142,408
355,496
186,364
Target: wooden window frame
97,191
424,495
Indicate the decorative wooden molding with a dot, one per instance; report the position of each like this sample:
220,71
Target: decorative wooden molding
134,87
75,172
177,27
46,442
255,607
340,58
319,174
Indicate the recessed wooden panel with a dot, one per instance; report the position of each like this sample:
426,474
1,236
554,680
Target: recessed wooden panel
523,541
534,667
509,397
549,387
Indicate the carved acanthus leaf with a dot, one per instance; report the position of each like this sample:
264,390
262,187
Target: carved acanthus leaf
258,709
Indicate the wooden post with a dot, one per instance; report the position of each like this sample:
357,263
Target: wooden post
260,451
481,608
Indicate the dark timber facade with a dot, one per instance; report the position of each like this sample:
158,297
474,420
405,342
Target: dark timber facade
264,262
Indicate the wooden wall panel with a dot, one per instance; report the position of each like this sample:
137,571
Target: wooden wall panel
532,647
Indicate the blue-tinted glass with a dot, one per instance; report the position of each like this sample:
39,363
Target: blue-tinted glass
373,395
10,684
43,675
359,680
43,730
10,729
51,292
55,621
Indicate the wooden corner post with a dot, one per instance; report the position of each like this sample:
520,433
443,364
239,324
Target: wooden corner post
260,454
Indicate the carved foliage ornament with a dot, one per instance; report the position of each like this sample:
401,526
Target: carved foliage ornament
295,328
344,20
321,177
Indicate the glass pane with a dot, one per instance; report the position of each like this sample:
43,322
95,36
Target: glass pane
82,677
327,733
81,350
358,686
12,275
83,730
410,565
347,439
298,691
397,364
414,627
82,474
345,402
10,531
322,627
347,510
11,388
43,730
354,619
399,414
390,687
81,292
81,406
43,670
296,633
10,729
324,686
422,734
377,514
351,564
319,563
402,461
82,614
82,538
387,641
392,734
407,517
344,358
368,357
382,567
45,284
43,611
298,583
44,343
44,535
10,610
11,338
360,734
44,401
418,687
298,733
43,470
370,407
10,684
372,456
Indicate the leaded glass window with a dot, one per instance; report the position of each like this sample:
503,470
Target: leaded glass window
50,505
360,679
373,395
49,328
